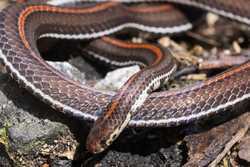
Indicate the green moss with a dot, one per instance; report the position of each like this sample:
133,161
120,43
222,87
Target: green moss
4,136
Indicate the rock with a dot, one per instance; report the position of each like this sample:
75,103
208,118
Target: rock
115,79
68,70
33,130
89,71
59,163
170,156
29,122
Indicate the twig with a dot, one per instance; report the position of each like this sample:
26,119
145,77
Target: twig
223,62
236,138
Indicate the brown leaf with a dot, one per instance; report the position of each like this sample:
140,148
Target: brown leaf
206,146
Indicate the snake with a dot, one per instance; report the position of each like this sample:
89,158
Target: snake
135,104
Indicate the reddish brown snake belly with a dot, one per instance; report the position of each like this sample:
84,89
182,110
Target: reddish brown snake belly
20,28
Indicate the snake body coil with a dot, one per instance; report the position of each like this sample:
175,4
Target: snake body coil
22,25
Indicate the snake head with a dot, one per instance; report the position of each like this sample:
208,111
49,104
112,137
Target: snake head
105,130
100,136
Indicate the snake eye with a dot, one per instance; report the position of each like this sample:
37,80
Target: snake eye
114,137
103,143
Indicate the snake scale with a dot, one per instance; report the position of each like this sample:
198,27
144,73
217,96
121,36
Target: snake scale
135,104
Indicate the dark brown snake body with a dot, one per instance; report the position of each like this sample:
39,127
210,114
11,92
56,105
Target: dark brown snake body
22,25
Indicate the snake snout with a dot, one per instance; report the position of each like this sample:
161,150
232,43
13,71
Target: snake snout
96,142
94,147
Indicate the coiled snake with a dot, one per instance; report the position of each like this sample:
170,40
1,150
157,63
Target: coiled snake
135,105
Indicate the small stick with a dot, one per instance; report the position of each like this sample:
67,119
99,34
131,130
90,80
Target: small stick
236,138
